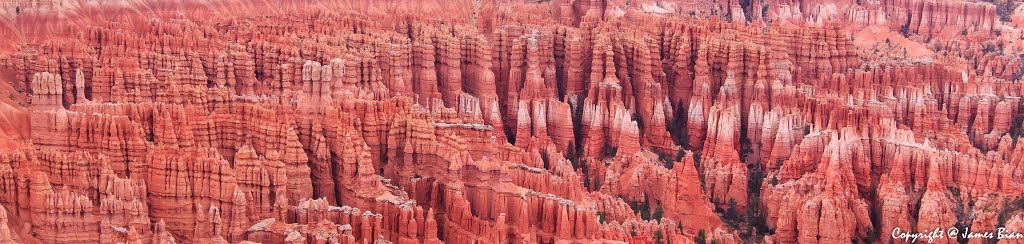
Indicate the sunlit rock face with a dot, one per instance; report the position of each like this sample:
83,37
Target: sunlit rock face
508,121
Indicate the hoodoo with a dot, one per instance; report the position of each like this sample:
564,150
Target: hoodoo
510,121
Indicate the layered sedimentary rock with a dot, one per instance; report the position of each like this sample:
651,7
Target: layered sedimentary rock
506,121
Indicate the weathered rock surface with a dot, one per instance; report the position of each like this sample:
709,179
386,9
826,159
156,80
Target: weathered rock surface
565,121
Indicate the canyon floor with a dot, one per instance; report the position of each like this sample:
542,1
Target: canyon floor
510,121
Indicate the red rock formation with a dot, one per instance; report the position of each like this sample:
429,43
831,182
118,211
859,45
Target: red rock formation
6,237
684,198
582,121
828,212
724,174
936,210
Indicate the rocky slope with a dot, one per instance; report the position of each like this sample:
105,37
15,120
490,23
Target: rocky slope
561,121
